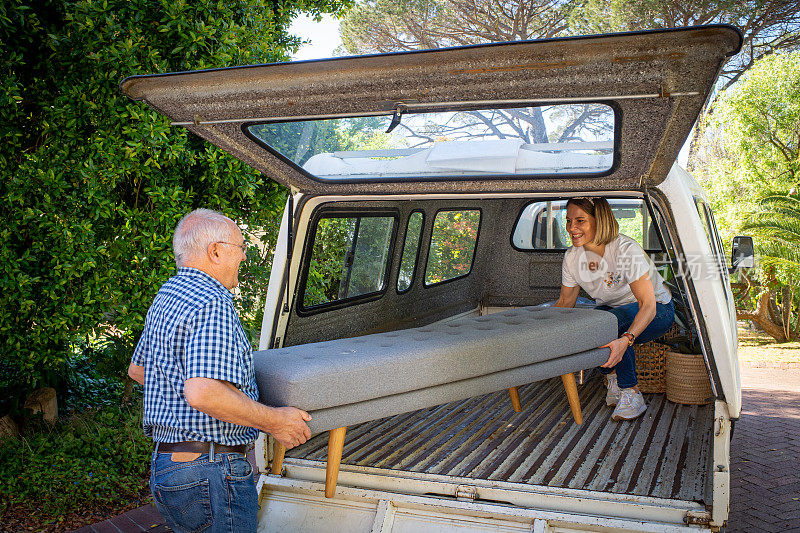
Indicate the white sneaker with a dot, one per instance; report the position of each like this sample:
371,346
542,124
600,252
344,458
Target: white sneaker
613,391
631,405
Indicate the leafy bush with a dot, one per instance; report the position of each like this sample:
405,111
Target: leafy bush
98,457
89,377
751,170
92,184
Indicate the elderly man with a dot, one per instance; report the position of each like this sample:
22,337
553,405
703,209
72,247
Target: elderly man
200,407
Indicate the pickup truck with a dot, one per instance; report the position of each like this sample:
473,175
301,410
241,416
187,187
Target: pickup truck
429,186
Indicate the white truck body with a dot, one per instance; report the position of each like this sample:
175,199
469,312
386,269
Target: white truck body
382,500
667,472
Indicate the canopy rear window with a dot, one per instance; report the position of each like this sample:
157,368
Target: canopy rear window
564,139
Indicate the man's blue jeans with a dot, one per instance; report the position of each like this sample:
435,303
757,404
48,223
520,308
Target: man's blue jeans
626,369
204,495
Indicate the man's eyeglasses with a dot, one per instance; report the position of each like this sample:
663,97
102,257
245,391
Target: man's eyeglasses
243,246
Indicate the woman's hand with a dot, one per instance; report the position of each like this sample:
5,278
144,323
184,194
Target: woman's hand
618,347
642,290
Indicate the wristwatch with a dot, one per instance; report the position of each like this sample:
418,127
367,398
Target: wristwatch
630,336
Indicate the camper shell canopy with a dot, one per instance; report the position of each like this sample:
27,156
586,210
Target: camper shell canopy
651,84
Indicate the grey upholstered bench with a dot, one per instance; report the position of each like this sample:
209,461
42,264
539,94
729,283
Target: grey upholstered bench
348,381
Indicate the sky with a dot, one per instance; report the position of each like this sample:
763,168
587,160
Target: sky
323,37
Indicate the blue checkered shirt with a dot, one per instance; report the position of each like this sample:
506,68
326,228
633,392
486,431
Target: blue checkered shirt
192,330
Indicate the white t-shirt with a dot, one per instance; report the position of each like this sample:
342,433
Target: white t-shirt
623,262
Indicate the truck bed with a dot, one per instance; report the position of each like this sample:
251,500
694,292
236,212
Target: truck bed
662,454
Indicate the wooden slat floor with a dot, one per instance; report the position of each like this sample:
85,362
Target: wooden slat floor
662,454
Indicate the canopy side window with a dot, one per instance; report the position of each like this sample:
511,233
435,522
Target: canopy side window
410,257
716,267
452,249
349,259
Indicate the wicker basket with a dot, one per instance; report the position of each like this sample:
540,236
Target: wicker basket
674,332
650,366
687,379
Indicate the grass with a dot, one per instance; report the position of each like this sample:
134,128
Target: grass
759,348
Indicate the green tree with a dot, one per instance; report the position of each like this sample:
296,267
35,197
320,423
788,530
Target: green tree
93,184
386,25
767,25
750,165
776,228
391,25
762,121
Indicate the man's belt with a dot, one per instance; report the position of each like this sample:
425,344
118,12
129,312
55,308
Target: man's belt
200,447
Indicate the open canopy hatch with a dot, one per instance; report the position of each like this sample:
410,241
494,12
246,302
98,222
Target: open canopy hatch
582,113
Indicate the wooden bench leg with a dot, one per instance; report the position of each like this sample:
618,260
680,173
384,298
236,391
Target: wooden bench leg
335,446
278,451
515,403
572,396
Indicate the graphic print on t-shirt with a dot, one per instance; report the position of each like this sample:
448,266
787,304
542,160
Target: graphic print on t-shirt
612,279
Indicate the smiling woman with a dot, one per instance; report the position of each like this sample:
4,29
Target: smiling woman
615,271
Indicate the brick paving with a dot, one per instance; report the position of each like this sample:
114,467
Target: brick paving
765,453
765,461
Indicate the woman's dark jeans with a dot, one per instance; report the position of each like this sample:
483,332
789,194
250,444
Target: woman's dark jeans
626,369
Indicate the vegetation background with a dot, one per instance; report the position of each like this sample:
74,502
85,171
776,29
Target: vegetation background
92,185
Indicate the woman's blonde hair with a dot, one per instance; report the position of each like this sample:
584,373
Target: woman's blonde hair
606,227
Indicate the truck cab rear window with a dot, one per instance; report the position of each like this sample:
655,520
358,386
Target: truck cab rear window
542,225
452,248
349,259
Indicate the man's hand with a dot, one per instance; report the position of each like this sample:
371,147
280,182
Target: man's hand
225,402
290,426
618,347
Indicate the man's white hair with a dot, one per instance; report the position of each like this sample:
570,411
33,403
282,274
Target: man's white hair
197,230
